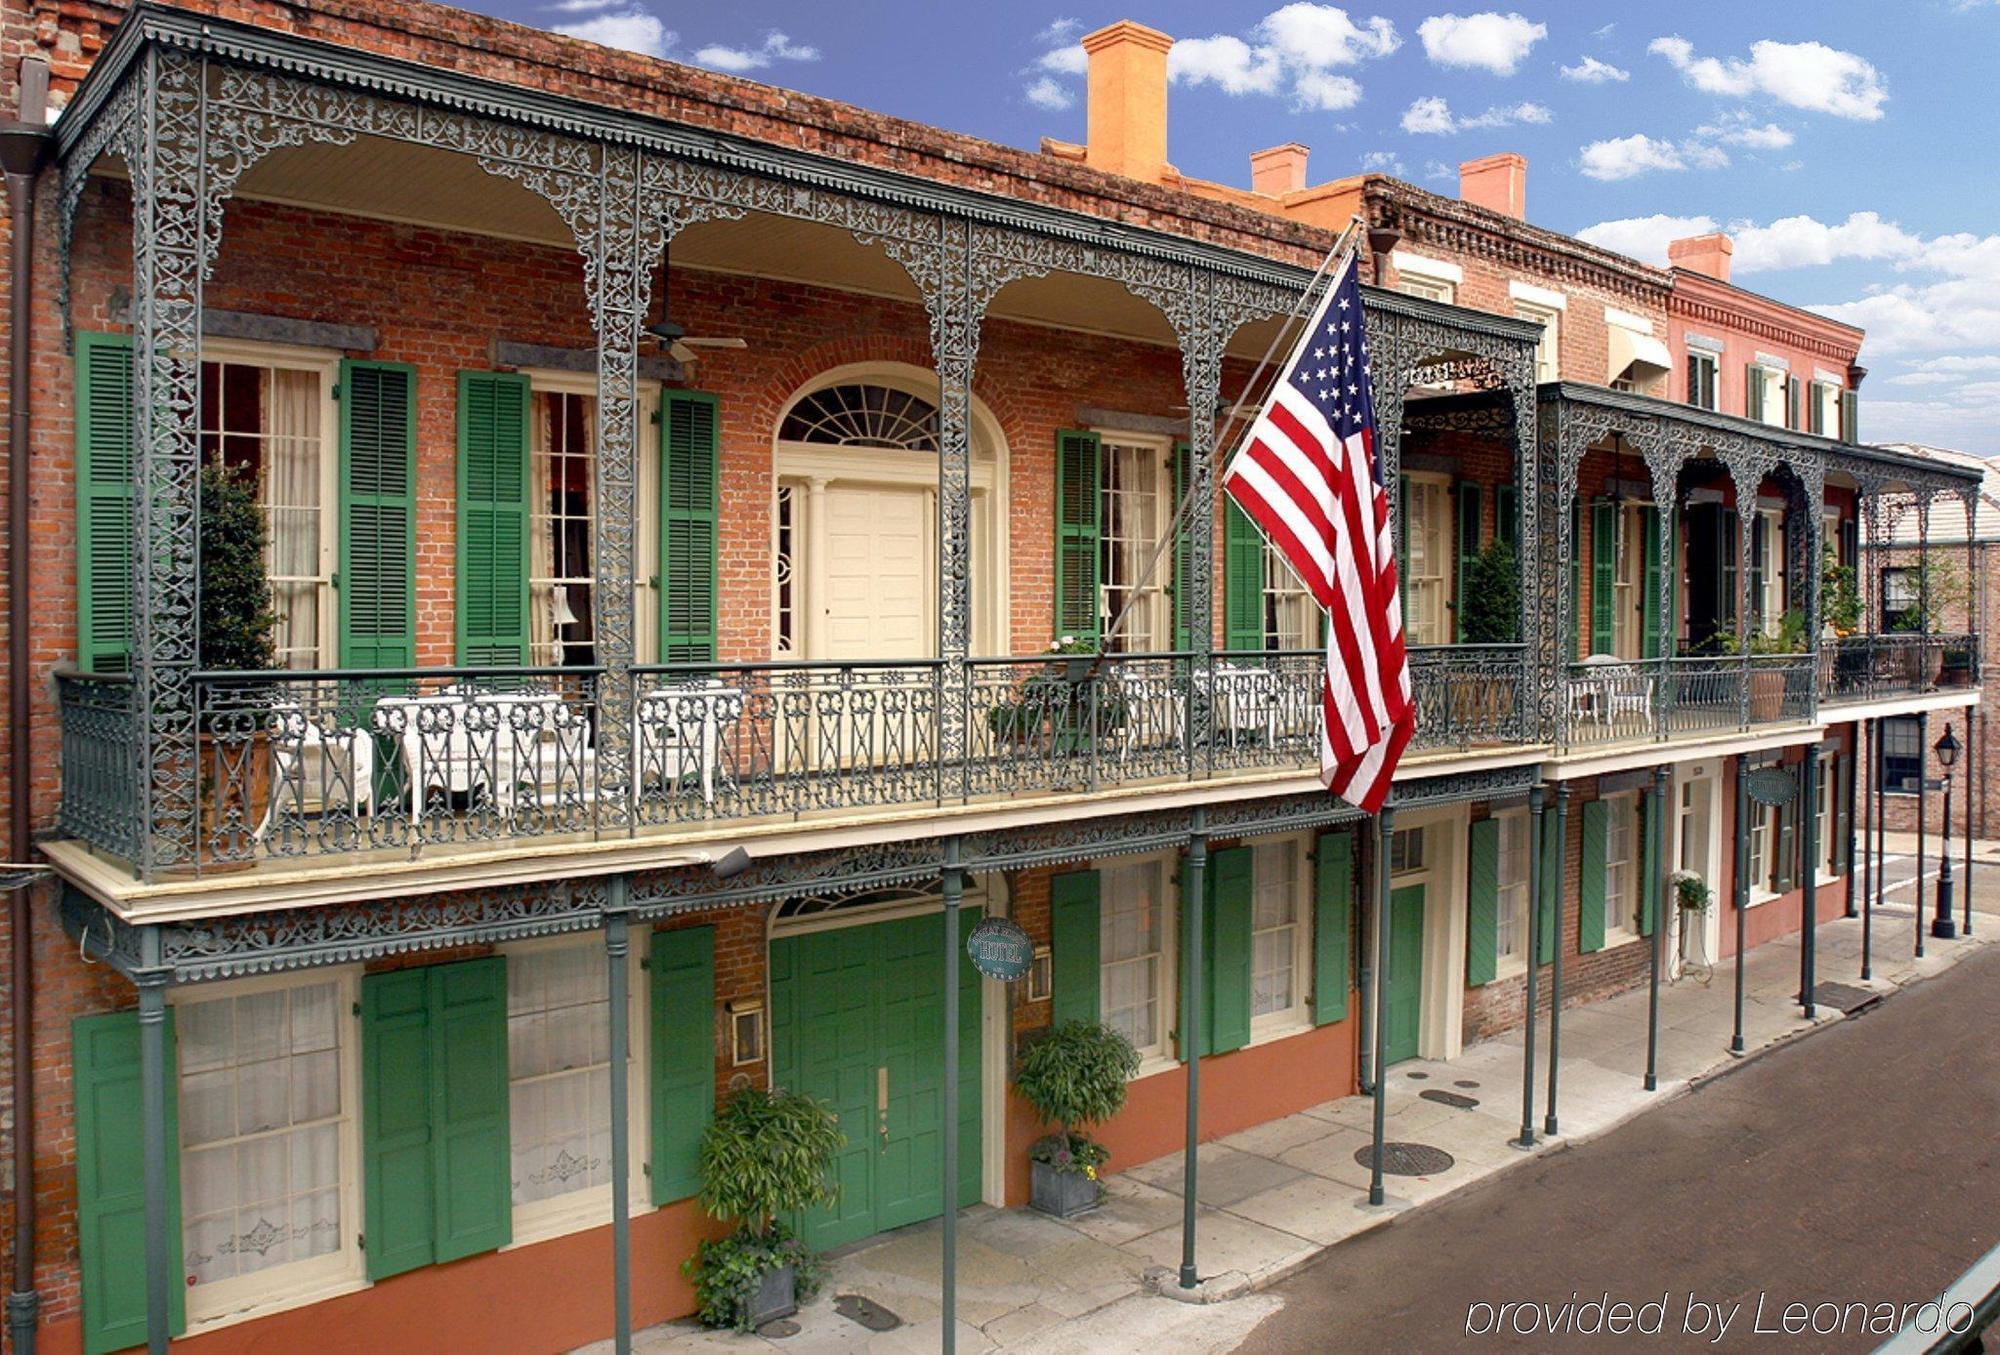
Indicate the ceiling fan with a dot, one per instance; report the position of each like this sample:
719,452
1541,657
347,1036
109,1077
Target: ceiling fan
679,342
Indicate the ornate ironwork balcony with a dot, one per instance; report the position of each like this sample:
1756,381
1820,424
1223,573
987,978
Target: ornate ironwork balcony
1874,667
1620,701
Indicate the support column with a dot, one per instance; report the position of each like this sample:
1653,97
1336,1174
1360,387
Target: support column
956,311
1923,808
1366,1032
1201,376
1848,805
1866,763
1195,895
1746,513
1741,871
1536,801
617,946
1663,907
1971,761
954,894
1385,823
1556,960
1879,890
1809,874
153,1092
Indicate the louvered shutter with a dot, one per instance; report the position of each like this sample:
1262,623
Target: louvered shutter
1333,926
1850,416
1591,877
1468,548
105,465
1074,946
1575,580
1753,392
1732,550
1403,547
1226,946
1649,604
1759,545
1792,402
107,1093
1507,516
1078,512
492,519
1788,844
1482,903
682,973
1243,581
1184,637
1603,575
690,477
378,513
397,1173
1694,373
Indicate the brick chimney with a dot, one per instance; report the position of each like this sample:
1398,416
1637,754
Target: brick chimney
1279,170
1498,182
1127,124
1705,254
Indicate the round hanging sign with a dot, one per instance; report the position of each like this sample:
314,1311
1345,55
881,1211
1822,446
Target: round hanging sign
1772,786
1000,949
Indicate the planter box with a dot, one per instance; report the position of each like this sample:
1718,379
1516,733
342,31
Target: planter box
1767,697
777,1296
1063,1194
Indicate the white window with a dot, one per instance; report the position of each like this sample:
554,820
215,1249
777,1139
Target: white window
1427,548
1629,553
1432,279
1766,399
1770,554
1763,852
1138,509
562,493
268,1150
268,414
1278,934
1406,852
1512,947
1547,351
1621,865
1291,617
1135,953
1824,817
1431,289
559,1070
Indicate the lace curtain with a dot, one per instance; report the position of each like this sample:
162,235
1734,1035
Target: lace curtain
559,1069
294,512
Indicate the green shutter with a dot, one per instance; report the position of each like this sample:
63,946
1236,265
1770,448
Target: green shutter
378,514
1732,549
1590,877
1575,579
1225,1023
1551,890
1468,547
1183,590
1073,942
1079,505
1403,546
492,519
434,1114
1482,903
1815,413
1649,875
1507,516
1649,604
105,466
1603,574
682,970
1333,926
1792,402
1243,581
111,1180
1753,392
1850,416
1759,546
690,479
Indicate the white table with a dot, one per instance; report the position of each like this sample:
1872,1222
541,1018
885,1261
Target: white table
461,739
678,729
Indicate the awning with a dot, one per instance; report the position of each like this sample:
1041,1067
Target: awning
1629,347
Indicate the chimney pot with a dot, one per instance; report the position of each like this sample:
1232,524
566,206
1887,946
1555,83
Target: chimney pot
1279,170
1704,254
1497,182
1127,122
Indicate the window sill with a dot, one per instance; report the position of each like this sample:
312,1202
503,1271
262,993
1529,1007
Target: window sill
1508,967
279,1299
546,1220
1154,1064
1282,1027
1759,896
1615,937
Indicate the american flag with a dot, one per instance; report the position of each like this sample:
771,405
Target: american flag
1307,475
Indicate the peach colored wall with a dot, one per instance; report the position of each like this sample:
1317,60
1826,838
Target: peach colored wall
1747,325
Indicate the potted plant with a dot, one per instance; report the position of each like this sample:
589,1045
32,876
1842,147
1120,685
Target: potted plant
765,1157
1767,683
1492,600
1690,891
1936,588
1073,1076
1068,700
233,636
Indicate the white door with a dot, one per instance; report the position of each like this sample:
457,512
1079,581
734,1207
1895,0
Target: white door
1697,849
875,597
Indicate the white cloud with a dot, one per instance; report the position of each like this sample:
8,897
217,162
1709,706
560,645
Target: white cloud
1791,242
1227,62
1323,35
1384,162
634,31
1591,71
1488,41
1627,157
1069,59
1294,51
1808,75
1432,115
1438,169
582,6
1942,371
1645,237
1769,137
1059,30
776,47
1046,93
1325,92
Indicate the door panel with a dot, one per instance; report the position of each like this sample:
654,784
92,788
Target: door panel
876,594
1402,994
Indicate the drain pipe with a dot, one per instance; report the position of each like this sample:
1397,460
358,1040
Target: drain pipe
24,148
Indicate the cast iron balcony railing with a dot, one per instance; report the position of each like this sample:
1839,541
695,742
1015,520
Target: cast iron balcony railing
1875,667
408,762
1620,701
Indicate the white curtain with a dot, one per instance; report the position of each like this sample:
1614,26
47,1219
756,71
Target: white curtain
294,512
541,533
559,1066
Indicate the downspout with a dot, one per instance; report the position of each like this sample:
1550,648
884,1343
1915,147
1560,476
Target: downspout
24,148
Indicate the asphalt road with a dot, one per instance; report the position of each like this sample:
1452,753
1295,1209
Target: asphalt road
1858,1166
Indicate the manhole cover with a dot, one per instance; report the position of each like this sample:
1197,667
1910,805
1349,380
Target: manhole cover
1417,1077
1445,1098
867,1312
1407,1159
1466,1083
1844,997
783,1327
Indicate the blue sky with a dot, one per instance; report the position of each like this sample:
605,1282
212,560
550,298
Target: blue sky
1845,146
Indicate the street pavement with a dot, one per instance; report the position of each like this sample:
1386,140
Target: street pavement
1858,1167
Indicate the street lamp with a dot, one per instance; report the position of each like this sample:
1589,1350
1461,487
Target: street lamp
1942,927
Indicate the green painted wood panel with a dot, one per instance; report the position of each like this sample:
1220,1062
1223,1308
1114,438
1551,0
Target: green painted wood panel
690,502
1603,575
397,1159
470,1105
378,515
1333,926
1079,511
1591,877
1243,580
1468,549
1402,991
105,451
1074,946
1482,902
681,981
1547,906
1226,946
493,519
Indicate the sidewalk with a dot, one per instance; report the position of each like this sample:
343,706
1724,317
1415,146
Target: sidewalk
1274,1196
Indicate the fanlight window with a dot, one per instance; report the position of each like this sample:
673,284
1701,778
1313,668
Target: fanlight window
863,416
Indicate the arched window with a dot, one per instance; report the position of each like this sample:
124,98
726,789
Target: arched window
859,415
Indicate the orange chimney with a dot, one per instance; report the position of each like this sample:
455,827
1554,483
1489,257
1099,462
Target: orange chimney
1705,254
1498,182
1279,170
1127,124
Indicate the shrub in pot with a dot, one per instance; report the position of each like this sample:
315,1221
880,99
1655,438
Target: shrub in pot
767,1156
1074,1076
233,636
1492,600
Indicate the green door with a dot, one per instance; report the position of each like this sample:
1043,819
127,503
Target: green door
1402,995
857,1020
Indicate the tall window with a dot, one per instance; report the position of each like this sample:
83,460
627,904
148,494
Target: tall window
559,1071
1513,919
562,460
267,421
1621,864
1138,509
1291,617
262,1118
1701,380
1427,549
1824,817
1629,583
1902,754
1769,552
1763,833
1823,409
1547,350
1901,595
1133,918
1278,944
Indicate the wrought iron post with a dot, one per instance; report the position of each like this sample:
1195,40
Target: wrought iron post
1878,890
1562,451
1194,894
1364,940
956,309
1808,839
1664,906
1848,807
1202,335
1923,810
1972,749
617,946
1537,798
1746,515
953,888
1556,959
1385,824
1742,889
1864,764
1663,469
154,1089
1924,654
